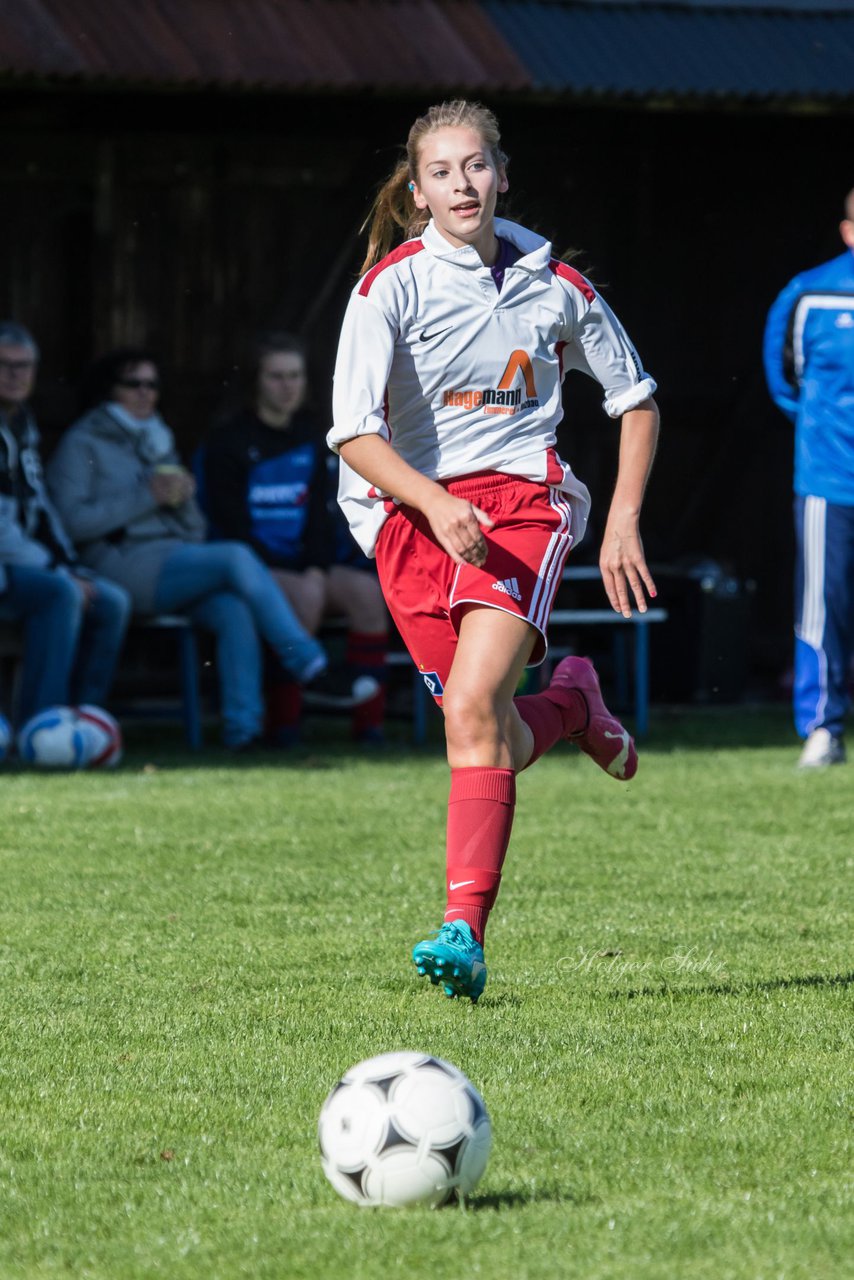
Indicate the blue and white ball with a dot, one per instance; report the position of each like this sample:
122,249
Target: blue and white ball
404,1128
54,739
6,736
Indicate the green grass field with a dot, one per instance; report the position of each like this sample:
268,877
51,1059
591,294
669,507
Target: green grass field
193,951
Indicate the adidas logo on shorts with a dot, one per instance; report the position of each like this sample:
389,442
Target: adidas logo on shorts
509,587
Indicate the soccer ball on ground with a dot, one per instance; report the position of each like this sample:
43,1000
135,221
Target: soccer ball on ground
404,1128
5,737
102,735
53,739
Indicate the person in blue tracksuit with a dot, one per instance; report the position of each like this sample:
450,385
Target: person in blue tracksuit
809,366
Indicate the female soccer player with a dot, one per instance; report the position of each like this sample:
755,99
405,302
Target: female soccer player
447,396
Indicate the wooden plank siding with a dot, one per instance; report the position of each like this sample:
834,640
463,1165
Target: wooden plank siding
188,244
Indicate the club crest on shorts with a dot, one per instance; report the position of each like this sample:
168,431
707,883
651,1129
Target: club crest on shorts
433,683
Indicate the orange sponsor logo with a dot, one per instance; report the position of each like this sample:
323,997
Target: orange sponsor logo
519,362
505,398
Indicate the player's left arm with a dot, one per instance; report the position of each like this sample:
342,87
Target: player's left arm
601,348
622,561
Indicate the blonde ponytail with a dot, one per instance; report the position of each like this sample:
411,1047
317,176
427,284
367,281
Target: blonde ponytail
394,208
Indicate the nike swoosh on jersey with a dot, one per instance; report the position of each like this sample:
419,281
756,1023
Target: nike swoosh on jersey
424,336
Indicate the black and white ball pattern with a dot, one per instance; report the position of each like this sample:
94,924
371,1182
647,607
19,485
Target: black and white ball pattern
404,1128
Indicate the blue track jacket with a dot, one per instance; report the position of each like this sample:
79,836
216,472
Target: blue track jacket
809,365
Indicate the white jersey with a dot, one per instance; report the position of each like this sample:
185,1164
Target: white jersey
460,377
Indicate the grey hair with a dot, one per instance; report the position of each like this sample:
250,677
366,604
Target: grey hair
13,334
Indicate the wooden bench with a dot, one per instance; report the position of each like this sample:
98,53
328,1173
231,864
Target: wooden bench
639,623
12,648
188,665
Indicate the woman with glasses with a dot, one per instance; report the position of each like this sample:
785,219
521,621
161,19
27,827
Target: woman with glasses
129,505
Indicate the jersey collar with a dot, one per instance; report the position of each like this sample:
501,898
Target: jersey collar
535,250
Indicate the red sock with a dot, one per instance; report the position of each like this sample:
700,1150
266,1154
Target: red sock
552,715
480,816
283,707
366,654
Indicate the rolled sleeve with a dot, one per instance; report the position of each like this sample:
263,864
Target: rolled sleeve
365,354
601,348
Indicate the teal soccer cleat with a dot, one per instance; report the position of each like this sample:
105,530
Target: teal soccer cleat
453,957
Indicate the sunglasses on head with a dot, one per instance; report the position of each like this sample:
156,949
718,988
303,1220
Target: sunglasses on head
138,384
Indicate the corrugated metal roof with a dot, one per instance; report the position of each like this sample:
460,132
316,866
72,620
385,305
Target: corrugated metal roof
800,6
614,48
298,44
645,49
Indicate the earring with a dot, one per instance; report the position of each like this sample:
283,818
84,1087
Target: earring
411,186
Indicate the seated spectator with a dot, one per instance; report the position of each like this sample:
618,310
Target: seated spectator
129,505
74,621
266,482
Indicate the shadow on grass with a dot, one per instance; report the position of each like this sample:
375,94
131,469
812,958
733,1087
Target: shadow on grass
738,988
148,749
327,744
499,1200
500,1000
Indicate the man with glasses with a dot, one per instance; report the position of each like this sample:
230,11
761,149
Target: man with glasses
73,621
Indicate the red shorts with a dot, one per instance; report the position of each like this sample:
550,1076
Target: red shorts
425,590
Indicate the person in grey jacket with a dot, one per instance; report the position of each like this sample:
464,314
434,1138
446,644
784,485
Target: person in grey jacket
74,621
129,505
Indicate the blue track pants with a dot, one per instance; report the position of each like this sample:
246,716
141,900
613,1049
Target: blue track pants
824,613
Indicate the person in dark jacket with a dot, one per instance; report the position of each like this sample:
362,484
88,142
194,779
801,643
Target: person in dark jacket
74,621
266,482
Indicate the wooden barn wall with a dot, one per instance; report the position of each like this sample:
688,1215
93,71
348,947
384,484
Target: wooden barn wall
188,222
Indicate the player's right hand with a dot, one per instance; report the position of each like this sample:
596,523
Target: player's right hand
458,527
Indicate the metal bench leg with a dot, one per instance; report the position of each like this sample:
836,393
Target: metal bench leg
190,687
621,667
641,679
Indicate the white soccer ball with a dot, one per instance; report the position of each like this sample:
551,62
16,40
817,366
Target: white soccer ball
102,735
5,737
53,739
404,1128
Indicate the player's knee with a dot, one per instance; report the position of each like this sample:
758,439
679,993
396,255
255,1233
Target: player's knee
470,719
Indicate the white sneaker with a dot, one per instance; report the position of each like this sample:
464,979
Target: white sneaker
821,749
